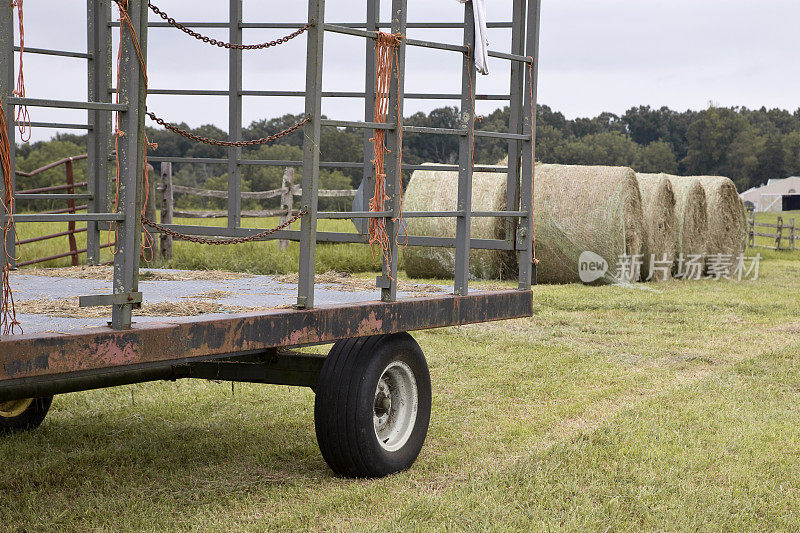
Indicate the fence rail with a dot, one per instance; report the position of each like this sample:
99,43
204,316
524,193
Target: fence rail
287,193
46,193
262,195
783,232
41,193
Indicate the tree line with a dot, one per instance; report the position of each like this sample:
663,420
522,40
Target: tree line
749,146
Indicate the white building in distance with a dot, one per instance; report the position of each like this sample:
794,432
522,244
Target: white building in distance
773,195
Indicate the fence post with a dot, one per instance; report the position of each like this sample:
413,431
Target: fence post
167,207
287,201
150,207
751,234
73,246
793,236
779,233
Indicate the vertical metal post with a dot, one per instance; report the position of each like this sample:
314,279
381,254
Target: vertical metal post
368,190
394,140
465,154
98,144
527,269
132,91
6,87
311,153
235,117
515,118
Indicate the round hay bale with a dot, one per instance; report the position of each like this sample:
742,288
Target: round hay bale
582,209
727,217
431,190
691,218
658,207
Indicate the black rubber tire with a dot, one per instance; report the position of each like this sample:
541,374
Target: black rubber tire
31,418
344,405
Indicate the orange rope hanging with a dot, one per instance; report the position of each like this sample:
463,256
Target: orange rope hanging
386,45
23,116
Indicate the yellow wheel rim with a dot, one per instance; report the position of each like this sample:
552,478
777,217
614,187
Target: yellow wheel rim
14,408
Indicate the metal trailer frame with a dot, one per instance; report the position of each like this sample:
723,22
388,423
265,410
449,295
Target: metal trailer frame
252,347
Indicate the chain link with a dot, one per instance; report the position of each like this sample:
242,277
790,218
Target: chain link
230,46
238,240
214,142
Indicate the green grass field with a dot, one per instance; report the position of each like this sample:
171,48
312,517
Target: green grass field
671,406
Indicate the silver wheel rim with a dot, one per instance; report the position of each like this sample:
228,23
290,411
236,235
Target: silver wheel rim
395,407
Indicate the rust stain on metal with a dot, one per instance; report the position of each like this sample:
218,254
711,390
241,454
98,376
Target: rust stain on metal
370,325
305,335
113,352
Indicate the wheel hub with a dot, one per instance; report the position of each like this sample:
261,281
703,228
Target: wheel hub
14,408
395,406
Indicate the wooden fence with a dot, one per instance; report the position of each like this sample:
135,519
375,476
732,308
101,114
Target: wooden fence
783,232
49,193
286,193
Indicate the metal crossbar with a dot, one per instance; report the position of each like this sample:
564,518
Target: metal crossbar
102,103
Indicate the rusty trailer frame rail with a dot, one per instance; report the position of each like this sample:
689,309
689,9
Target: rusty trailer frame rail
98,357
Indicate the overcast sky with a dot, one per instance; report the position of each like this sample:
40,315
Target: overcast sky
596,55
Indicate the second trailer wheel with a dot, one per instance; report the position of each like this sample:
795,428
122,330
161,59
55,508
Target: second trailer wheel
23,415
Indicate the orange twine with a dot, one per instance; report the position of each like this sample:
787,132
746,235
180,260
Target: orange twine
23,116
386,45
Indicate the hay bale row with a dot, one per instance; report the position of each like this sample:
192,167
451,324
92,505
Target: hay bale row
710,218
607,221
610,211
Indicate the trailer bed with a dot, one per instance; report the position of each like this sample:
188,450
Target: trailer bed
227,292
64,352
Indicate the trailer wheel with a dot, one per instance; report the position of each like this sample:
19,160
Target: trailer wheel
373,405
23,415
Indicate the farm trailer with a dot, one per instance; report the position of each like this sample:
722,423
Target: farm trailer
373,392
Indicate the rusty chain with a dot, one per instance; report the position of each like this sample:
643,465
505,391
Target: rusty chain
230,46
238,240
214,142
